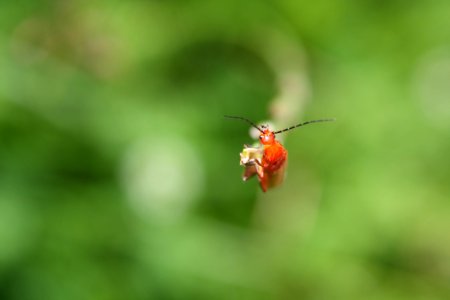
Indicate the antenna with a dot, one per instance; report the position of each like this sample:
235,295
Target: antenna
246,120
305,123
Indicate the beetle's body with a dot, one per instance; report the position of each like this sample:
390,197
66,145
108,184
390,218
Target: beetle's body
268,161
274,153
273,160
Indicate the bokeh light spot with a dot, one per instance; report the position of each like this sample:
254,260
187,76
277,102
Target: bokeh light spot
162,177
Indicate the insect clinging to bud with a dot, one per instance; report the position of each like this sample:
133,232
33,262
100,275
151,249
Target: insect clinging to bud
268,161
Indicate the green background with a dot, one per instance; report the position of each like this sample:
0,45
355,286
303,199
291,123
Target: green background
120,178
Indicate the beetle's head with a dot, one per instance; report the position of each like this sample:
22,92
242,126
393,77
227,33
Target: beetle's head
267,136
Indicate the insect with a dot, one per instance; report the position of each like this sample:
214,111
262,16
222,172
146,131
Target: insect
268,161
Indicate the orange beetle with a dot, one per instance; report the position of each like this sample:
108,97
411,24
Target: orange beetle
268,161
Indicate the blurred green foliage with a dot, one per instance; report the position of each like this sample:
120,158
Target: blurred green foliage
120,179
